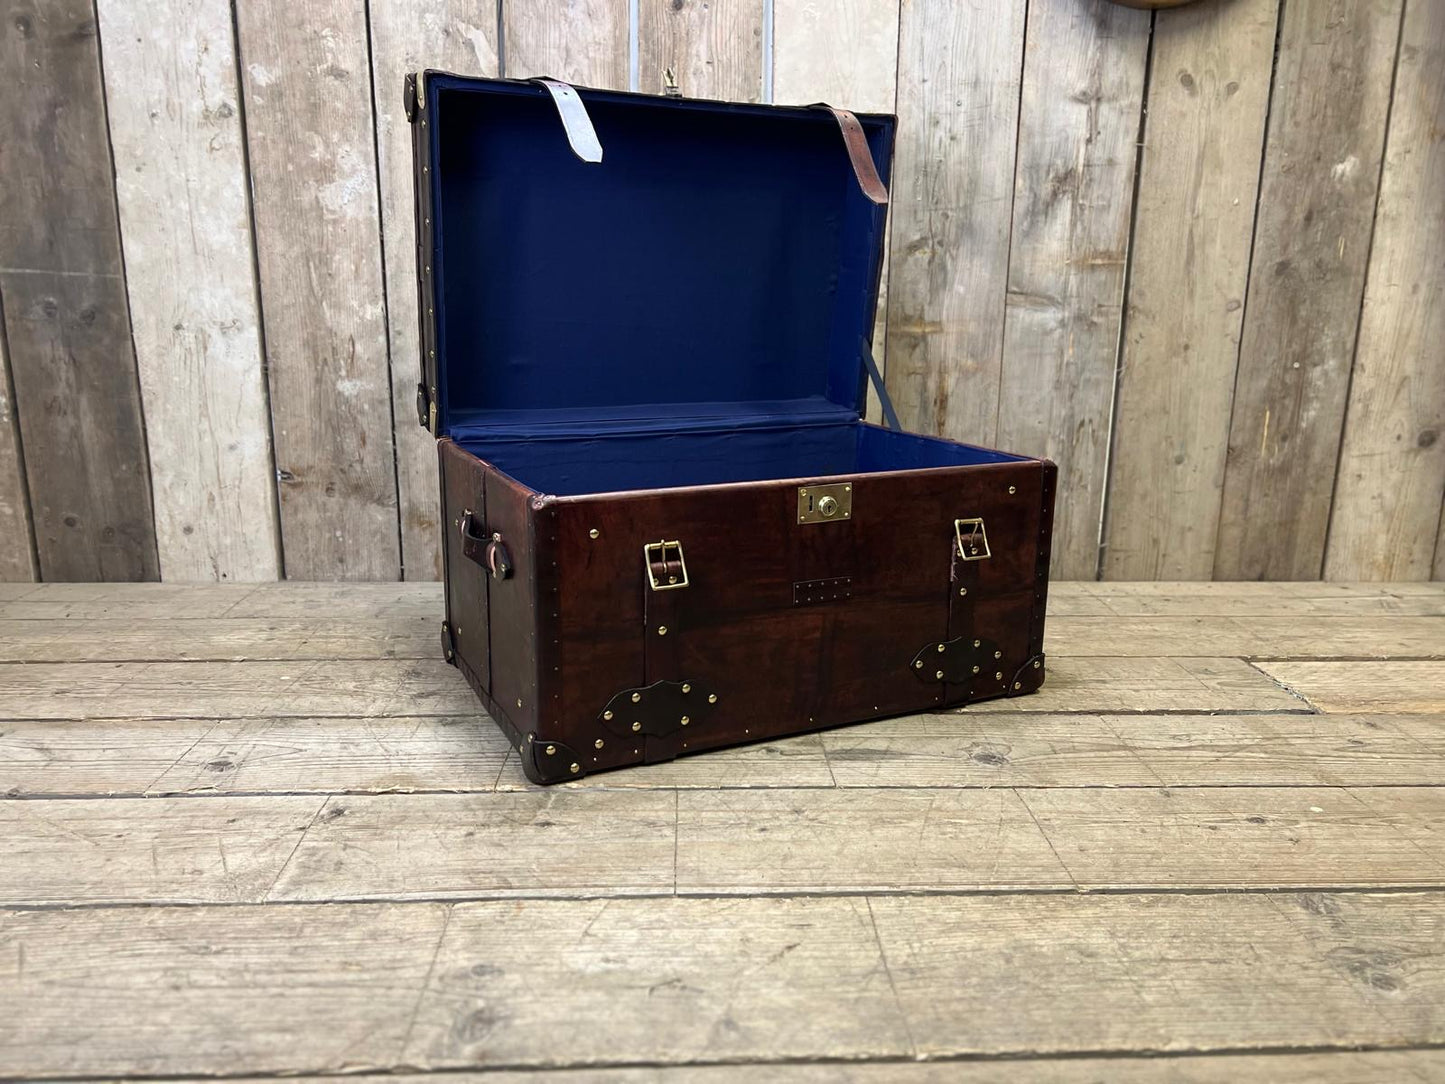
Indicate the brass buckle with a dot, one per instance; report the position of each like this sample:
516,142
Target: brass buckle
655,556
972,539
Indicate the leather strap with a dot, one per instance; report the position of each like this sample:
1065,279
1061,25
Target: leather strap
890,416
581,136
859,154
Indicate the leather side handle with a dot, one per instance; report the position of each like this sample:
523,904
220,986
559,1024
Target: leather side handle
859,154
488,551
581,136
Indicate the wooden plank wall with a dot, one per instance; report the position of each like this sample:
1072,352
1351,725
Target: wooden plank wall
1192,256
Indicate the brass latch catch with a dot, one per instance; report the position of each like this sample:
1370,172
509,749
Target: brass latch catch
972,539
666,568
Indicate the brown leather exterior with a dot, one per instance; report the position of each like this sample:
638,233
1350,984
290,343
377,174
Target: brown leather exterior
552,647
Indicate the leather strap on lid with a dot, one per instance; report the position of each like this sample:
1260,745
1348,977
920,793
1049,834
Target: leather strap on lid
858,153
581,136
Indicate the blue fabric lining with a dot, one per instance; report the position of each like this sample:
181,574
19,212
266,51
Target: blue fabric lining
718,254
574,465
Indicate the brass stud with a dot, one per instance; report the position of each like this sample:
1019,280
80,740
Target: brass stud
1037,664
662,630
998,676
1013,489
940,649
607,715
963,590
574,768
712,698
551,750
978,643
1018,685
686,687
636,726
998,654
531,738
918,665
939,675
598,743
636,697
594,533
975,669
685,720
519,701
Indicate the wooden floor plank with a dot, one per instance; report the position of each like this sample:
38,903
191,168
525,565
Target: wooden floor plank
1250,599
983,750
1315,1067
112,757
1172,973
327,988
1305,636
1365,686
431,687
118,639
150,850
590,843
131,601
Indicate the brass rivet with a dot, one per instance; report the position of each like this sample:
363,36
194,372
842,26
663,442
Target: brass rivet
459,630
998,654
1013,489
531,738
594,533
939,675
940,649
1018,685
918,665
636,697
685,720
662,630
575,768
598,743
712,698
636,726
1037,665
802,492
978,643
519,701
998,676
847,489
686,687
963,590
551,750
607,715
975,669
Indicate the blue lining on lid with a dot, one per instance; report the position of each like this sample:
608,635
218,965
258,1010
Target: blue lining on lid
719,265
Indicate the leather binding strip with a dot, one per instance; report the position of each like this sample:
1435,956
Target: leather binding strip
962,595
581,136
859,154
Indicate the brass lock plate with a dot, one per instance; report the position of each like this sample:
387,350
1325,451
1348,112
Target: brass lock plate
825,503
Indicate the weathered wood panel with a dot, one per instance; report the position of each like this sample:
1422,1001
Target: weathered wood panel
1083,88
844,53
958,95
1164,973
176,134
1207,97
578,41
1312,240
17,543
406,36
1413,687
353,987
128,850
307,81
71,363
714,47
1387,509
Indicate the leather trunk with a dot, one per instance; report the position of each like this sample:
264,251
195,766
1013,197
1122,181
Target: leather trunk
694,555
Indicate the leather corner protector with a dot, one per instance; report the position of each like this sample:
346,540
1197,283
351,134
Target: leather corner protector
546,762
1028,678
956,662
408,97
449,647
659,709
